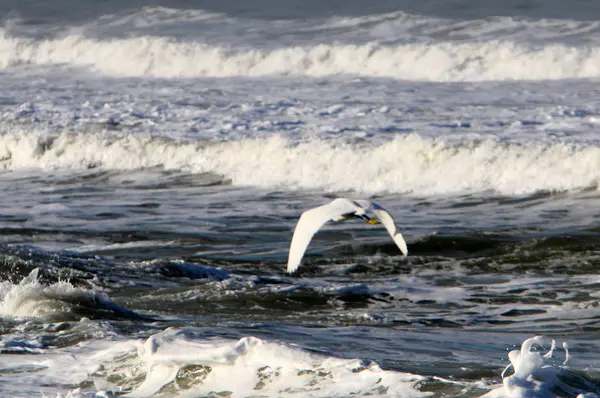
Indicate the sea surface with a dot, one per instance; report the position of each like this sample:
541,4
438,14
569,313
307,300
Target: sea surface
155,157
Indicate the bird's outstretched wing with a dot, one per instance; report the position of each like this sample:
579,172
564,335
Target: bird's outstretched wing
388,222
310,222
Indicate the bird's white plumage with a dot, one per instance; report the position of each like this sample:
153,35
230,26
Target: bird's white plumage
312,220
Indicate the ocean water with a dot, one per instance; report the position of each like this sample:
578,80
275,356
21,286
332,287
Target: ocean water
155,157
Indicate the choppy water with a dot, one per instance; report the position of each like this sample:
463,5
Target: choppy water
154,159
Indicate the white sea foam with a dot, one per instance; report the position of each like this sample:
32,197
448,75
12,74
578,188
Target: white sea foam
540,375
441,61
269,367
186,363
408,164
32,299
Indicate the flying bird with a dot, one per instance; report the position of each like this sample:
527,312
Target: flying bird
339,209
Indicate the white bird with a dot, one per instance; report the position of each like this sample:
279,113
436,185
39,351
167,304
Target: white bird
339,209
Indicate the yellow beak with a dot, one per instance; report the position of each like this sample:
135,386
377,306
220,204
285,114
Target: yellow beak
372,221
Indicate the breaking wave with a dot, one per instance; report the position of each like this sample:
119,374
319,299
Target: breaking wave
407,164
157,56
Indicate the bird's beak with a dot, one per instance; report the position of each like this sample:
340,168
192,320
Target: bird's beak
373,221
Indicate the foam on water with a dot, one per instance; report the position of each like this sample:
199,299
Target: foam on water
183,363
407,164
31,299
186,363
441,61
270,367
537,375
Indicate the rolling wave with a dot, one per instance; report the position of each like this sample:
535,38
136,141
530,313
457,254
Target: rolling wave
57,302
407,164
153,56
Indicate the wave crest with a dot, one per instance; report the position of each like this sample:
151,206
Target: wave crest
442,61
407,164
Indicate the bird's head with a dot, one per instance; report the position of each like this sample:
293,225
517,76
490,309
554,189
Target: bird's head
373,221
